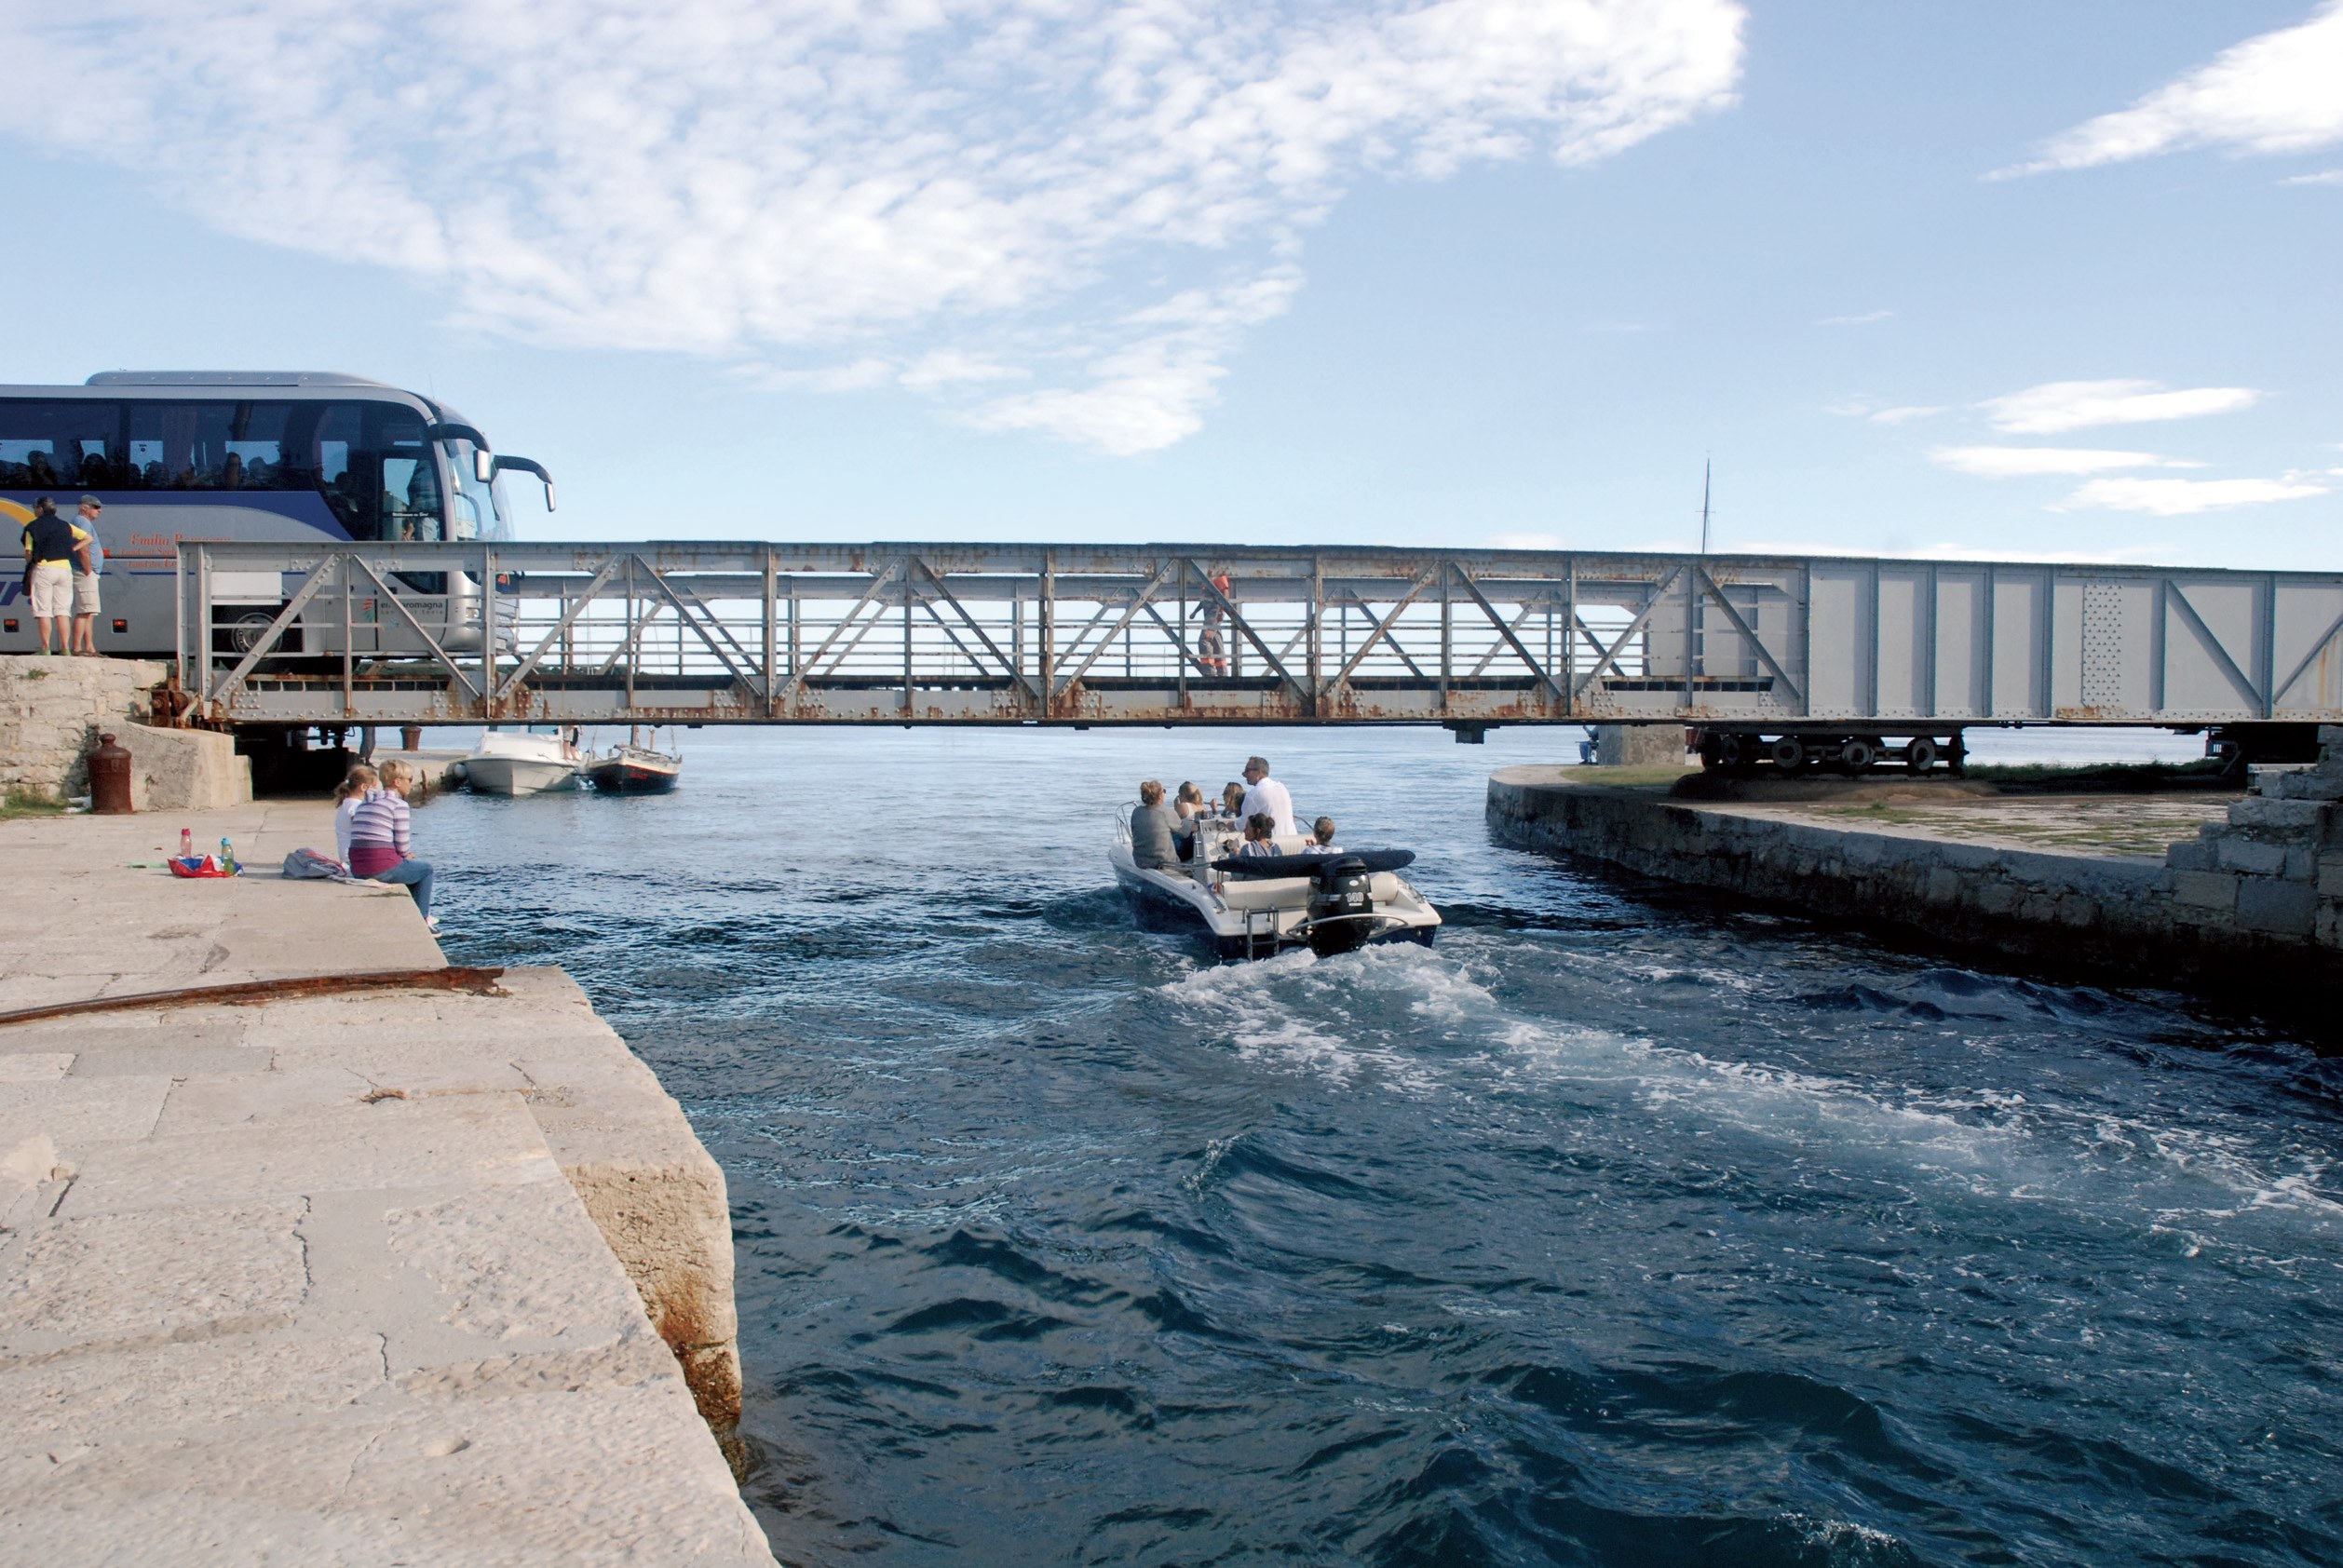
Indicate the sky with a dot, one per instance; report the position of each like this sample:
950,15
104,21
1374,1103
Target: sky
2052,280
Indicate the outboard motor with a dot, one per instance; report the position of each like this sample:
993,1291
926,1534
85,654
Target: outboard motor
1342,908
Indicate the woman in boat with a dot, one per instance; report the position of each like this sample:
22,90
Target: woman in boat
1157,832
1260,831
1232,800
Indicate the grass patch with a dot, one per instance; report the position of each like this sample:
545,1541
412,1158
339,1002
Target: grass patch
22,802
2117,776
33,672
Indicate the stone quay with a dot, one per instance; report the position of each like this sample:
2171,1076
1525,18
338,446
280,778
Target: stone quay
427,1271
2247,903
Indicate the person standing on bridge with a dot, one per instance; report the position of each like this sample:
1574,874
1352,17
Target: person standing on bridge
1211,655
1265,796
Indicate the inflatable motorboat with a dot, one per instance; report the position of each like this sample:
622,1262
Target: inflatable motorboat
1253,906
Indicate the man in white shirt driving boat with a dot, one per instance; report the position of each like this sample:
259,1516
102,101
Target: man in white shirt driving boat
1265,796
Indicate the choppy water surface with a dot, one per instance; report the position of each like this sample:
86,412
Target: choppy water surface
1616,1229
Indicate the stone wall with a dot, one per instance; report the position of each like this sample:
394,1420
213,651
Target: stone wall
1639,745
51,710
2277,865
2260,915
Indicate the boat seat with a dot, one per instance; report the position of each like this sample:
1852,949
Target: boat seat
1383,886
1268,892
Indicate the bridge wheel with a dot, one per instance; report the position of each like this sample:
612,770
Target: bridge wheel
1856,753
1730,751
1788,753
1919,754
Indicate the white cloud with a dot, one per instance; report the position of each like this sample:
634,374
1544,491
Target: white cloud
2281,93
2018,462
2183,497
1863,320
2325,177
922,185
1863,408
2057,406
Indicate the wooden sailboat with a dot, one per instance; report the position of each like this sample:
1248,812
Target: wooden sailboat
635,768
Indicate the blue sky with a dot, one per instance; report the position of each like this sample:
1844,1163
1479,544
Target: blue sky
1992,279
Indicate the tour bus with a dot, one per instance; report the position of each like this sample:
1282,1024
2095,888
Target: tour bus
178,455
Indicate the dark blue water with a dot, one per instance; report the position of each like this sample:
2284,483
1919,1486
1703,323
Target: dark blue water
1618,1228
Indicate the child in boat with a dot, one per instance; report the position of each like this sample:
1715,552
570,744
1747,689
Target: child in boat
1322,833
1232,800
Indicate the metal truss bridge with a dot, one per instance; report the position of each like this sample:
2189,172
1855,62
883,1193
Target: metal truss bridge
294,633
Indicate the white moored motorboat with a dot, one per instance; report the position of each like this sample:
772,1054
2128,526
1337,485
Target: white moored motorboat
524,761
1250,908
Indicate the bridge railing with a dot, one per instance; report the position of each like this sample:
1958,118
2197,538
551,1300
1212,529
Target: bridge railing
718,632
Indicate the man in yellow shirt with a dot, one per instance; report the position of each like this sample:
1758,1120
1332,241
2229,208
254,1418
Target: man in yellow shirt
52,545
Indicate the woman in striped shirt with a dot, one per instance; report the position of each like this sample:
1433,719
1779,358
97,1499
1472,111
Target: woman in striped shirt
378,838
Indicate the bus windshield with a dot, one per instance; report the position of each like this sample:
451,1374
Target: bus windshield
372,463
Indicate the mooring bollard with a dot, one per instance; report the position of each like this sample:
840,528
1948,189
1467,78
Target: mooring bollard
110,778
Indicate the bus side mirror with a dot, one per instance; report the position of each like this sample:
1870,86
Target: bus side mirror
527,466
483,466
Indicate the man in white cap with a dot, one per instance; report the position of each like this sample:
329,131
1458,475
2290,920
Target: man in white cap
1266,795
86,579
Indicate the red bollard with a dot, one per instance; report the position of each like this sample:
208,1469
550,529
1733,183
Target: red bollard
110,778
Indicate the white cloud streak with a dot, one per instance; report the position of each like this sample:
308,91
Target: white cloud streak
1096,196
2059,406
2021,462
2186,497
2281,93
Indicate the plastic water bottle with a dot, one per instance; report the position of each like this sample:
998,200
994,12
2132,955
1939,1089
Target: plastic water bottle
186,843
227,856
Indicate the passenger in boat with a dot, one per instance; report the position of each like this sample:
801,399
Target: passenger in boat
1261,829
1323,837
1189,803
1156,831
1264,794
1232,800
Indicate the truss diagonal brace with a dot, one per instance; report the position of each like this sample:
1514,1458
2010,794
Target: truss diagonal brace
1139,601
399,603
1506,631
267,640
879,580
1708,585
1239,621
1619,644
1382,632
2228,664
569,618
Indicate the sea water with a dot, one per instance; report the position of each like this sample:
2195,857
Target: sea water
1622,1227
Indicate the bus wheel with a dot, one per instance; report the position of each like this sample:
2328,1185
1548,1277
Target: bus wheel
1788,753
1919,754
1857,754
